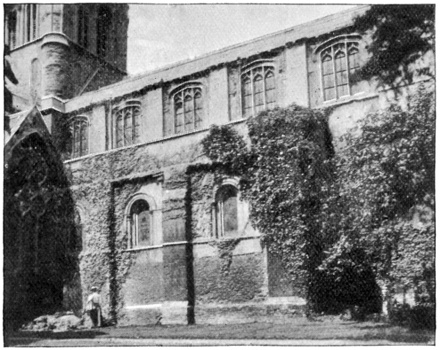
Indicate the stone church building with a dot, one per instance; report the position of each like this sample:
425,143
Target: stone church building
163,241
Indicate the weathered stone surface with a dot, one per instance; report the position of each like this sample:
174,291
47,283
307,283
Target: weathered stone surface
228,278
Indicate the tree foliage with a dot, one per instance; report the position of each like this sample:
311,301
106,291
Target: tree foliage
368,211
385,191
401,34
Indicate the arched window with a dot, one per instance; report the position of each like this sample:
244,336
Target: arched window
338,62
78,243
35,80
127,121
188,109
83,27
258,89
226,211
79,134
103,27
140,224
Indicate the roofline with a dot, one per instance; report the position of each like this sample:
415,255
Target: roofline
134,78
243,43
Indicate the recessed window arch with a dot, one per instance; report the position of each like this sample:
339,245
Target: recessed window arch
127,123
140,221
258,88
79,131
188,108
340,59
35,80
79,227
226,211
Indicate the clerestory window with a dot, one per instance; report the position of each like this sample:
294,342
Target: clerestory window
79,128
258,89
188,109
338,62
127,121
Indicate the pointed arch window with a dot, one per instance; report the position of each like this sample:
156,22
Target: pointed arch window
258,89
127,122
338,62
79,128
188,109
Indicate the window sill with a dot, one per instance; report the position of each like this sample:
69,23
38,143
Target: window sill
361,96
164,139
210,240
153,247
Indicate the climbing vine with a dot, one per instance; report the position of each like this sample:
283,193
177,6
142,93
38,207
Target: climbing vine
285,174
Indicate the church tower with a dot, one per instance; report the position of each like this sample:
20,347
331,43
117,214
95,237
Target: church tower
59,51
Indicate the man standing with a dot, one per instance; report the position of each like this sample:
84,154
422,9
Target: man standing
93,307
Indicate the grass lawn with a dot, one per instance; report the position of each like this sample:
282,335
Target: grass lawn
323,328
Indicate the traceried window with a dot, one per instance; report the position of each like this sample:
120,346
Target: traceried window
226,211
140,224
188,109
79,134
127,121
258,89
338,62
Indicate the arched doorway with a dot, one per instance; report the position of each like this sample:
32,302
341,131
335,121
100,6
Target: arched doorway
39,254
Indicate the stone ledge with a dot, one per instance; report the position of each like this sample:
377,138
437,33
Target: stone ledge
247,312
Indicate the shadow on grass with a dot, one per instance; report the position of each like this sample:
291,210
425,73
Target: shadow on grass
400,338
23,338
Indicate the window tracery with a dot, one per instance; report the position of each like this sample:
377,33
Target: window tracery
127,121
339,62
258,89
188,109
79,133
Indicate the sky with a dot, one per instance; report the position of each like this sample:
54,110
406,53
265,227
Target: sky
161,34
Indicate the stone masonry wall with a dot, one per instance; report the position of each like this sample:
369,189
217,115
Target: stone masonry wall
139,285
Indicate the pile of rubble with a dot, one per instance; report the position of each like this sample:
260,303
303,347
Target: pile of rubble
59,322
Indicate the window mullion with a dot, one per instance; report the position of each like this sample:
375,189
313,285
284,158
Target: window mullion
222,217
334,72
194,108
133,126
79,139
252,92
264,88
348,68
